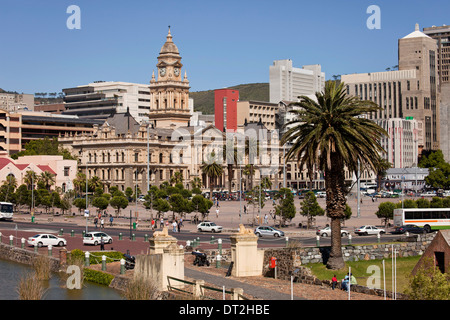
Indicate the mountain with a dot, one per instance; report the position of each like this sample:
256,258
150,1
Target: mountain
204,100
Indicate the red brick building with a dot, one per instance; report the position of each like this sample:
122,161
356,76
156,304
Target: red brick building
225,109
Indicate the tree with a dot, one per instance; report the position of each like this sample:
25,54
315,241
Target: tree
423,203
161,206
429,283
386,211
285,208
330,135
381,170
178,204
310,208
80,203
118,202
212,170
438,170
202,205
44,146
47,179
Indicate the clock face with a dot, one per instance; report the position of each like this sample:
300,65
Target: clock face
162,71
176,71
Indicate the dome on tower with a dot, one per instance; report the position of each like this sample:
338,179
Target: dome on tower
169,46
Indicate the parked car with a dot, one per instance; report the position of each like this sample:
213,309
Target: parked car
326,232
46,239
367,230
268,231
321,194
209,226
94,238
411,228
428,194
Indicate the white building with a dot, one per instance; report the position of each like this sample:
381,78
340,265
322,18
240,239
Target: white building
402,144
288,83
100,99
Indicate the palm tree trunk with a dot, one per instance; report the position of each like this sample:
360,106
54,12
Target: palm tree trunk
335,188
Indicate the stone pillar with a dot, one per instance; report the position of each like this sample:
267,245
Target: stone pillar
160,240
248,260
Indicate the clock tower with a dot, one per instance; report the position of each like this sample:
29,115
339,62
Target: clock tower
169,92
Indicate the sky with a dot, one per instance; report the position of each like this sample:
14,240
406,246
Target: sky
222,43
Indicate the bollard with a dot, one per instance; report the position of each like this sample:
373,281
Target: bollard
120,236
287,242
0,237
349,239
103,263
212,240
145,237
317,241
23,243
86,260
83,233
49,250
133,237
198,241
378,237
11,240
72,233
35,248
122,266
32,219
61,232
218,259
188,243
219,246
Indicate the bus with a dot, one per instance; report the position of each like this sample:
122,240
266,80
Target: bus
430,219
6,211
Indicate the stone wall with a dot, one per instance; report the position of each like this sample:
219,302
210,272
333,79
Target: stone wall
24,256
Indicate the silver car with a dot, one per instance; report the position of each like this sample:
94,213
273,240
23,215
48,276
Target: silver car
268,231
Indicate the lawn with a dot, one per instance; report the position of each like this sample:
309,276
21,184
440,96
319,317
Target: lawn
367,273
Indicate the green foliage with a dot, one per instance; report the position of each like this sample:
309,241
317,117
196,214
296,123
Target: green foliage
285,208
386,211
44,146
98,277
310,208
423,203
439,170
118,202
429,283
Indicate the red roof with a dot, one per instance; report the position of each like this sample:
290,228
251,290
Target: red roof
46,168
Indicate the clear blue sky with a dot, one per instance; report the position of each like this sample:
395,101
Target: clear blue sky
222,43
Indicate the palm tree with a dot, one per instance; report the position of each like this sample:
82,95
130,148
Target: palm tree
30,179
79,182
47,178
212,170
334,133
232,157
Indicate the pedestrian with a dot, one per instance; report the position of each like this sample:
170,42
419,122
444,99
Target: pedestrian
333,282
266,219
217,212
102,244
102,224
95,222
174,226
161,224
111,219
179,226
153,224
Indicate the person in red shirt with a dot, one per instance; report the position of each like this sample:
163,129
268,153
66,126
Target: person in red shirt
333,282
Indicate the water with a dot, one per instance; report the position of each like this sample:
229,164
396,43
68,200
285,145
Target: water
11,273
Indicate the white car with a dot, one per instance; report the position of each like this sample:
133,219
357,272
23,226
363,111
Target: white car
209,227
95,238
46,239
326,232
428,194
321,194
366,230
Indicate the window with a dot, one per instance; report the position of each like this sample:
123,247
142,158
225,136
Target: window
66,171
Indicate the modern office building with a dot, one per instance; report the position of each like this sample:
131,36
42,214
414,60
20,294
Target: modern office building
101,99
288,83
411,91
442,36
402,143
257,111
225,109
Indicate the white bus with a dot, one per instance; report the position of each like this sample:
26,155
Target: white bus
6,210
429,218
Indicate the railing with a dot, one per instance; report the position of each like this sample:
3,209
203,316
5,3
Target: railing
199,290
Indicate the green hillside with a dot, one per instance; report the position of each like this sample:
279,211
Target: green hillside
204,100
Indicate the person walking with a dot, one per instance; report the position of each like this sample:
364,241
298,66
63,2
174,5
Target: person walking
102,244
95,222
153,224
111,219
174,226
102,224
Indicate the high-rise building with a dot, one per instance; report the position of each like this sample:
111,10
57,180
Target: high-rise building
411,91
225,109
101,99
442,36
288,83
